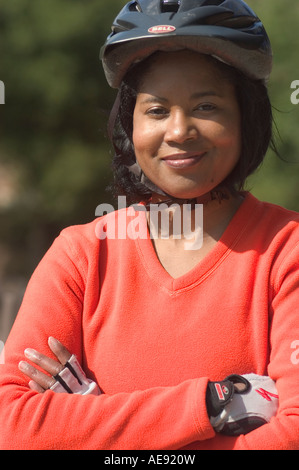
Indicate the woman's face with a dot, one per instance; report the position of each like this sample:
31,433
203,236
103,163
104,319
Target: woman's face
186,124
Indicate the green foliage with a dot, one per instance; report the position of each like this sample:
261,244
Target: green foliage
277,180
53,126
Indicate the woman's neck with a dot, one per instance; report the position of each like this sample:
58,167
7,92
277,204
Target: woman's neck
180,221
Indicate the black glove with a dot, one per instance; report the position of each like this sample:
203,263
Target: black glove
240,404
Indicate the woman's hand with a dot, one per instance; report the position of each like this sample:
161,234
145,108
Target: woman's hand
40,382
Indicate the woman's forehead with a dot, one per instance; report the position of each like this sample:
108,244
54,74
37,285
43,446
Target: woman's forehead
196,73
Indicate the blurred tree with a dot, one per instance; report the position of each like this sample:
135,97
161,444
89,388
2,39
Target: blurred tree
53,125
277,179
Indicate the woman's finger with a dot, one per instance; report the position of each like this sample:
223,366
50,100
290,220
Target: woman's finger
36,387
40,381
44,362
62,354
37,376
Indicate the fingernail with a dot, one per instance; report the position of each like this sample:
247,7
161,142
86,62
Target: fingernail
52,340
23,365
31,353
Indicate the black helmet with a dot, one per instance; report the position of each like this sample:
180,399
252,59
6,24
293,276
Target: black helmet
226,29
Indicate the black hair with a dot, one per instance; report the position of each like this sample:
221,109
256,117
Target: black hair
256,131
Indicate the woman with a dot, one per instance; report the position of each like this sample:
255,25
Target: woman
180,349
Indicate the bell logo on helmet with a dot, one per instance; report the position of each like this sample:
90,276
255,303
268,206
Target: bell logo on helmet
161,29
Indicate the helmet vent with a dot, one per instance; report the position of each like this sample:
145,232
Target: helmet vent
135,7
240,23
210,2
227,20
170,6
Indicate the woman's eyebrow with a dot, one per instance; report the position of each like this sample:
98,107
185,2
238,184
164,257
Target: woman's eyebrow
154,99
194,96
202,94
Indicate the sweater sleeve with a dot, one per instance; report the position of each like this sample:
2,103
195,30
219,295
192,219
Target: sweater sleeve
157,418
282,433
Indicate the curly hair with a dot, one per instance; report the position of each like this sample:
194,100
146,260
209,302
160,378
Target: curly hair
256,130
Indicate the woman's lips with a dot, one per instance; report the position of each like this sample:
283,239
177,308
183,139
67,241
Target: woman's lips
180,161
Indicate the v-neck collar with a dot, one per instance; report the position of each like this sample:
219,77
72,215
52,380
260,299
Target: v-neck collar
208,264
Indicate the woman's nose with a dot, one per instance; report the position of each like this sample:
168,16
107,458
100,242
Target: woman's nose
180,128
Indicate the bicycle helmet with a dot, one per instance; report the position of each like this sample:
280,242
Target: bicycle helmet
226,29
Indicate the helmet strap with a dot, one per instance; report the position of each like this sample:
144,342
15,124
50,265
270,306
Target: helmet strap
218,193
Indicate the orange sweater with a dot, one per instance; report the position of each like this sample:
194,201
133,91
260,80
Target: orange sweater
152,342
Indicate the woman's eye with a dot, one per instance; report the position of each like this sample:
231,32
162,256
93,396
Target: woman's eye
157,112
206,107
